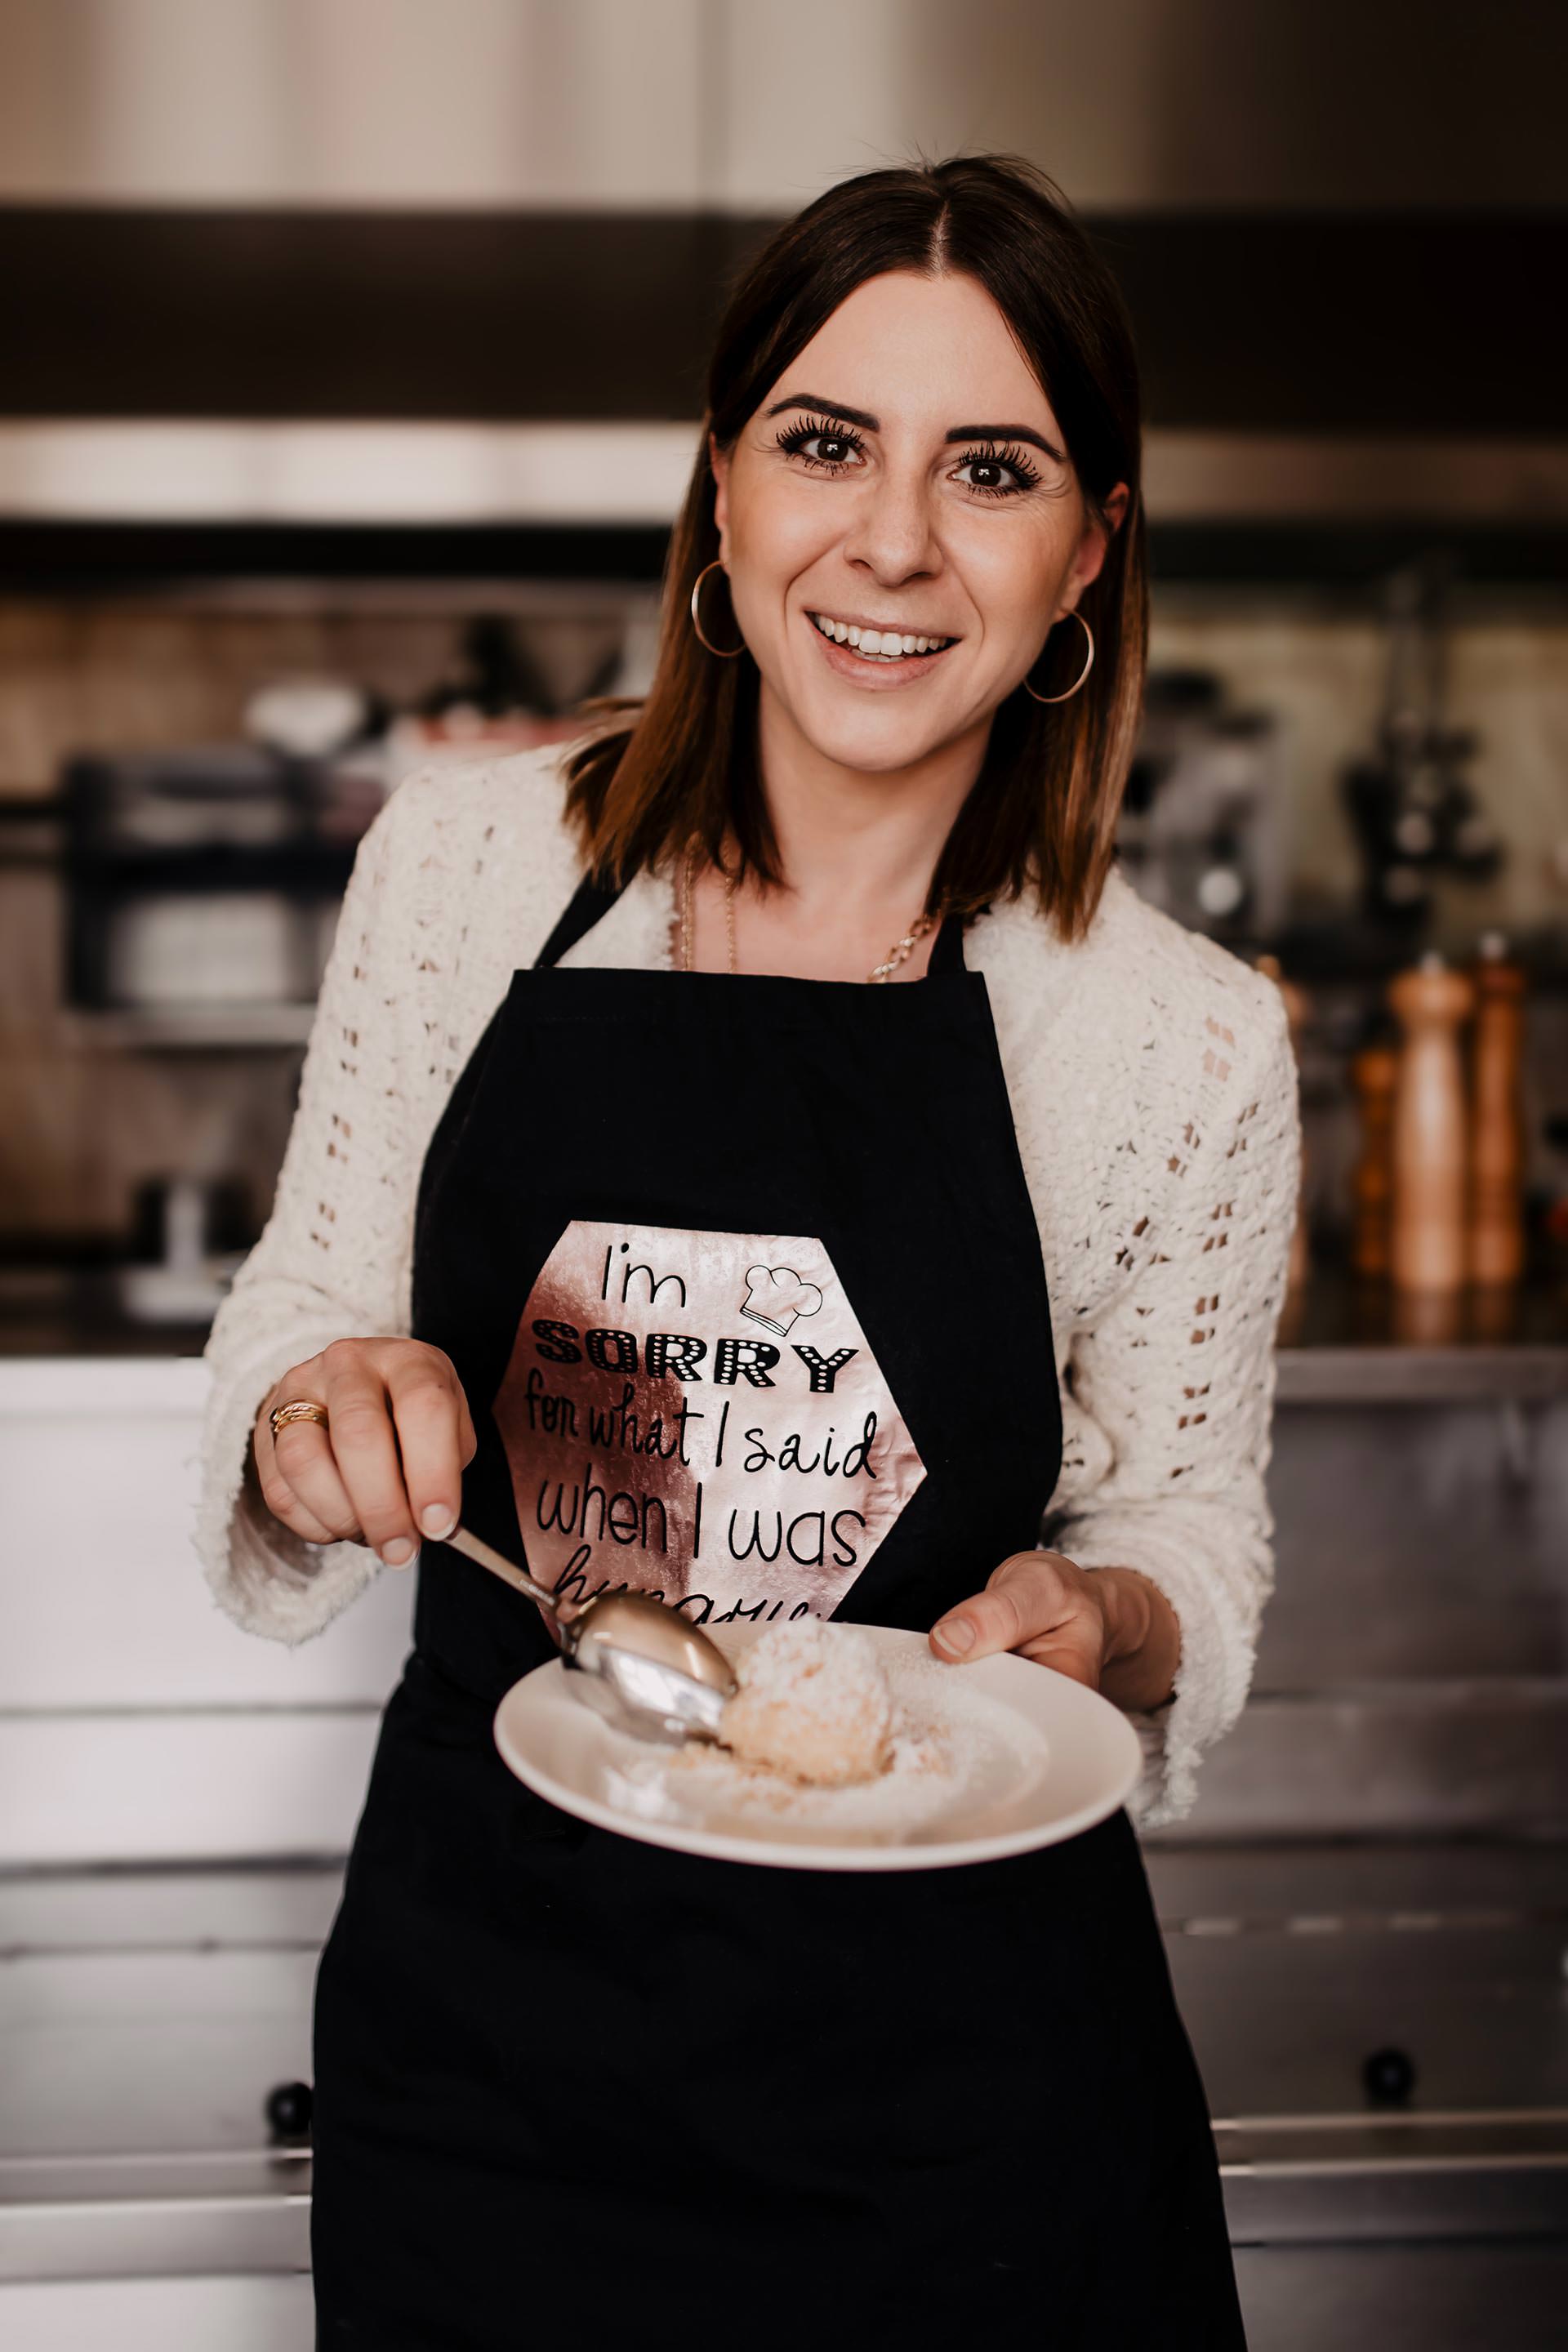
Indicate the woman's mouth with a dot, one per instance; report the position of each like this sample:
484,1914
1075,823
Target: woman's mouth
857,649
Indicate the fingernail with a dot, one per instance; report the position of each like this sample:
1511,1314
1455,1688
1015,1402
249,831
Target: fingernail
957,1634
438,1521
399,1553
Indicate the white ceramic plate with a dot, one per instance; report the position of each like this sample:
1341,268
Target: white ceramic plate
1023,1757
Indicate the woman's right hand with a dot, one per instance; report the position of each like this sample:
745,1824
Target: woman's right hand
387,1467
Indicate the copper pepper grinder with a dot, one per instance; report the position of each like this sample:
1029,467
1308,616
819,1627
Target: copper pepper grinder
1496,1233
1374,1072
1427,1250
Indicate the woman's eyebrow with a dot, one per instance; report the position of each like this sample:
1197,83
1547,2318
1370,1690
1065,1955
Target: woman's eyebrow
1007,433
863,417
832,408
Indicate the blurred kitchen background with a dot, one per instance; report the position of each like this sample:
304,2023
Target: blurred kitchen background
351,381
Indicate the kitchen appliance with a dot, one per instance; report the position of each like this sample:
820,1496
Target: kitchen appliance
502,700
1412,811
207,875
190,1237
1201,831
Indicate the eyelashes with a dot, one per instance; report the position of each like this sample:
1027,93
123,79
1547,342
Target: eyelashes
1010,458
795,441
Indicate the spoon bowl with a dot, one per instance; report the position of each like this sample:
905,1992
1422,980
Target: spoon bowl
643,1667
648,1667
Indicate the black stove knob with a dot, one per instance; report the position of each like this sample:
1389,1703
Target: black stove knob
287,2111
1388,2076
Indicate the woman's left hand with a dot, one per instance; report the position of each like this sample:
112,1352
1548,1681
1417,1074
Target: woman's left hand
1108,1627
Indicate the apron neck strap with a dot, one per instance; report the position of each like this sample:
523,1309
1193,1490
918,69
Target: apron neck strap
590,902
947,953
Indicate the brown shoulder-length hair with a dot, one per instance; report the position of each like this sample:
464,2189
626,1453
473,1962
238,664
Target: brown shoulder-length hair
1042,814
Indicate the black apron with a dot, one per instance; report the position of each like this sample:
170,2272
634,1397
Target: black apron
744,1285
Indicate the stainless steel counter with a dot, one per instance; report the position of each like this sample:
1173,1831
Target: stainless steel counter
145,2016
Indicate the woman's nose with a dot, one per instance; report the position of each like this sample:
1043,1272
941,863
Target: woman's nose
893,534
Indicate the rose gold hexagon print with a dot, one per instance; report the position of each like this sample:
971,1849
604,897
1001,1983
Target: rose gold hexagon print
700,1415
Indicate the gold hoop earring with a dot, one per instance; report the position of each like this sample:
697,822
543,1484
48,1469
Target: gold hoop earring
1088,666
717,565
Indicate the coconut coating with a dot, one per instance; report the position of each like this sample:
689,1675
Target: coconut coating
813,1704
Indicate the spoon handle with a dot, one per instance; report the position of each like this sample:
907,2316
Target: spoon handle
474,1548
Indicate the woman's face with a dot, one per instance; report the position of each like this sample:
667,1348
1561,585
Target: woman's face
905,474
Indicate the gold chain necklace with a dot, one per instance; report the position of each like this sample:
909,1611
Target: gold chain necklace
880,973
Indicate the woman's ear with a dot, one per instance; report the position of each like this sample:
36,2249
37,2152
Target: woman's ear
718,460
1093,542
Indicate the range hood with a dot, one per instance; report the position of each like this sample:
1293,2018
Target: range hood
377,474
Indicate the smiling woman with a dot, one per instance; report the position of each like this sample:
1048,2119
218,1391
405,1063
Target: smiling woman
884,461
622,1218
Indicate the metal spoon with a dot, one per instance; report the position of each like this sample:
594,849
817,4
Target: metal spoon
643,1667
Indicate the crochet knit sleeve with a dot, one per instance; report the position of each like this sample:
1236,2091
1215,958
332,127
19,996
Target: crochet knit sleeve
1179,1376
332,1261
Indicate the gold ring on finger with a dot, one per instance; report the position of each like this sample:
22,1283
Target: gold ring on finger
296,1409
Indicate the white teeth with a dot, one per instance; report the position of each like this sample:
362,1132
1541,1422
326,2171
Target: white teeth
878,645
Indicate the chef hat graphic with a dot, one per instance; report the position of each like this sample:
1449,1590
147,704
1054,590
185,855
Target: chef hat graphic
776,1296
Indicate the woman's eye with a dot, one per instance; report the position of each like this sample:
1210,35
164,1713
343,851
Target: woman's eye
823,448
997,474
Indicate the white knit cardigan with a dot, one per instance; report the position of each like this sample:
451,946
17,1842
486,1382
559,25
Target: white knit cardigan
1154,1093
